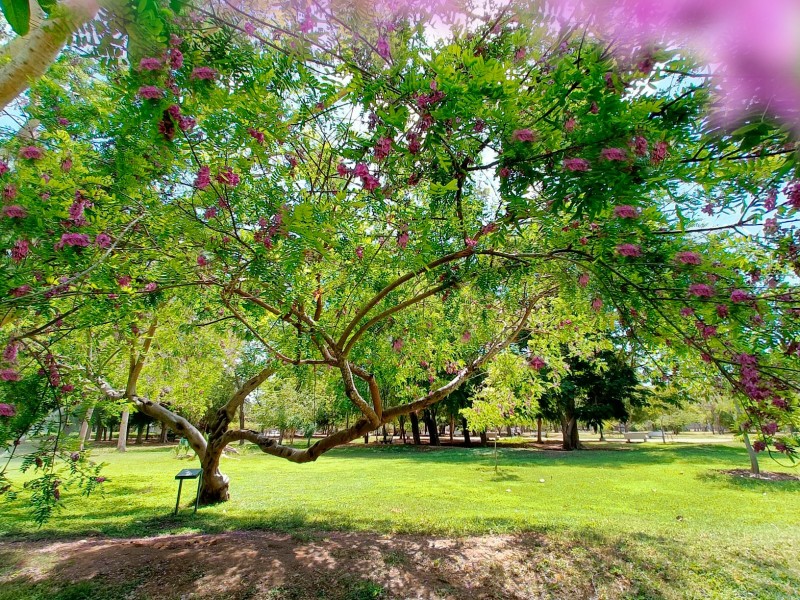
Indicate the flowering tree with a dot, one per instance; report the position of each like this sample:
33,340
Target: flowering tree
383,201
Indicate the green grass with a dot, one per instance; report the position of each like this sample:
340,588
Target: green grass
663,507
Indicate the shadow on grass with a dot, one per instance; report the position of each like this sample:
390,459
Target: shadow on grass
748,483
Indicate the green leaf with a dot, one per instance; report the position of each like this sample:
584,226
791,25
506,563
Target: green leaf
18,15
47,5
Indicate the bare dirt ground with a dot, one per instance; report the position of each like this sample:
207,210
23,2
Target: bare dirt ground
332,565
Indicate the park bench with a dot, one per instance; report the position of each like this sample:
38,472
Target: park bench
635,435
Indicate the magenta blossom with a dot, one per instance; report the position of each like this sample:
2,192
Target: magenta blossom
370,183
382,47
688,258
471,242
360,252
361,170
31,152
583,280
228,177
383,147
631,250
80,240
505,172
597,304
701,290
659,153
14,212
150,92
402,239
11,351
397,344
151,287
625,211
103,240
523,135
342,169
204,73
738,296
20,250
537,363
770,428
19,292
203,179
687,311
249,28
175,59
616,154
210,212
150,64
722,311
466,336
570,125
9,375
202,261
3,168
759,446
576,164
7,410
9,191
256,135
124,281
639,145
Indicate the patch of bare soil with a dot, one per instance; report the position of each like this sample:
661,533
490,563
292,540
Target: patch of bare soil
764,475
332,565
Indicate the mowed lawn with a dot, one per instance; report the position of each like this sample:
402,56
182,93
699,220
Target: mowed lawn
666,509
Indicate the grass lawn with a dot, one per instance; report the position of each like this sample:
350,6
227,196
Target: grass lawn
660,516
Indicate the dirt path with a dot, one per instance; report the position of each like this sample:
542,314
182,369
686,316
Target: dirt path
332,565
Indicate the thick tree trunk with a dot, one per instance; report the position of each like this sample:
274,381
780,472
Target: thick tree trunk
415,428
215,484
484,438
139,432
122,440
162,438
569,431
86,431
433,431
465,429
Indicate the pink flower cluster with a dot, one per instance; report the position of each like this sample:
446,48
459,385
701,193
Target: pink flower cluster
625,211
150,92
688,258
613,154
629,250
203,179
576,164
523,135
701,290
204,73
80,240
383,148
536,363
369,181
150,64
31,152
7,410
227,177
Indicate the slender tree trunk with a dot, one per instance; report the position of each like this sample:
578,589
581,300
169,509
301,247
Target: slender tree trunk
139,432
241,421
538,430
484,438
602,436
415,428
147,433
452,427
754,468
86,431
122,440
433,431
465,429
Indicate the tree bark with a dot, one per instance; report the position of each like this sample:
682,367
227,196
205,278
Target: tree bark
754,468
538,430
415,428
484,438
122,440
162,438
569,432
86,430
465,429
430,421
241,421
139,432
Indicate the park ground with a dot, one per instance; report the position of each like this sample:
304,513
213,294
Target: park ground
616,521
